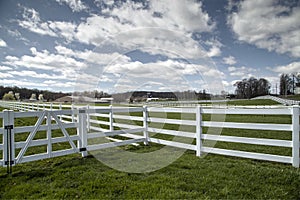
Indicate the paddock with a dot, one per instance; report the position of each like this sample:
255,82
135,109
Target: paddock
60,130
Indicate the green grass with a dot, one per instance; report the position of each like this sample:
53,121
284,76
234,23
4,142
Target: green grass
292,97
189,177
253,102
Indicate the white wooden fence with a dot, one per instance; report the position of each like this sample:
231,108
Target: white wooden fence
139,124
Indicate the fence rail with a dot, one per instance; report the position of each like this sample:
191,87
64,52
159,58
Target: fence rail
140,125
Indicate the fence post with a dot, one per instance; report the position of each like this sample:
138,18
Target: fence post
60,108
82,132
88,118
295,136
72,107
49,134
198,130
8,140
145,125
111,119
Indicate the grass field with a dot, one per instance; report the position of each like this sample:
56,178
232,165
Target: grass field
253,102
189,177
292,97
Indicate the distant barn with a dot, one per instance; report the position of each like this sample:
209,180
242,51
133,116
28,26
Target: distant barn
83,99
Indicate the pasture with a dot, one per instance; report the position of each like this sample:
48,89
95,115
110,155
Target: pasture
189,177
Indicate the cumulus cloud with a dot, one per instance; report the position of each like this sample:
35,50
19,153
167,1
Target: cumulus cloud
166,74
75,5
154,27
5,75
61,66
268,25
2,43
34,74
162,25
5,68
33,23
289,68
229,60
242,72
214,51
93,57
45,60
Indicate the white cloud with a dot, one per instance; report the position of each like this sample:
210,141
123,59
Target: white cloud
268,25
56,84
5,75
167,74
214,51
229,60
23,83
162,27
45,61
242,72
289,68
64,29
93,57
17,35
33,74
161,69
33,23
75,5
5,68
2,43
179,15
62,67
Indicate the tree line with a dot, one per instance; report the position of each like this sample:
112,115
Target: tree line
17,93
289,83
25,93
253,87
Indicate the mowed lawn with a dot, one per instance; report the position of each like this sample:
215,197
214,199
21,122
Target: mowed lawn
189,177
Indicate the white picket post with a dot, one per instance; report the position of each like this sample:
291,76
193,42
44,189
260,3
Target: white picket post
295,136
145,125
60,108
111,119
88,119
198,130
49,135
82,132
8,138
72,107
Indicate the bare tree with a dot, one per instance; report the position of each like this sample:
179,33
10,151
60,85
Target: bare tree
252,87
285,84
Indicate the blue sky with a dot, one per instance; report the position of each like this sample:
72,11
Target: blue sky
170,45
